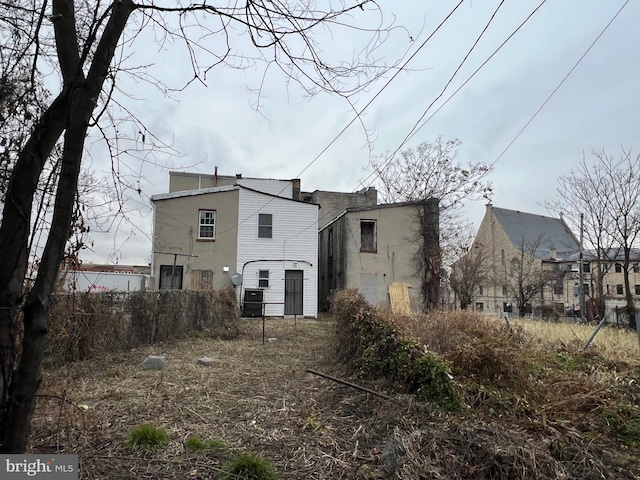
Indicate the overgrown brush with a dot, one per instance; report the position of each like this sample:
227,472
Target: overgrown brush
375,347
477,347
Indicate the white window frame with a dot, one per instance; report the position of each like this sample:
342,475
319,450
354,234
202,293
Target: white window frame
202,223
265,225
262,278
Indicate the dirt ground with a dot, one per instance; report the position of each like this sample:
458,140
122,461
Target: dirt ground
259,398
256,398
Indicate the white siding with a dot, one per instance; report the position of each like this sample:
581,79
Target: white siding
281,188
294,246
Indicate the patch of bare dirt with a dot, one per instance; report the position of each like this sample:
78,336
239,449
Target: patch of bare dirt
259,398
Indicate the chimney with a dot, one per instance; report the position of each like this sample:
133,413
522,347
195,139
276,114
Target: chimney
215,176
553,254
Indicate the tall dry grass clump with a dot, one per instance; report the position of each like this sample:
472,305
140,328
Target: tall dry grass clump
372,345
477,347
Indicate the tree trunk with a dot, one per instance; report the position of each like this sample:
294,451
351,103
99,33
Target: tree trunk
20,389
430,253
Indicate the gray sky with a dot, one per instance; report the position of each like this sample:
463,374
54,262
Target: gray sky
597,107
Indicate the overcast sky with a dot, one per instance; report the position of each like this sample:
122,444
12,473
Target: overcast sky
597,107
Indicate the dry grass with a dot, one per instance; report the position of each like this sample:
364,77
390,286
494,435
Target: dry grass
612,344
260,399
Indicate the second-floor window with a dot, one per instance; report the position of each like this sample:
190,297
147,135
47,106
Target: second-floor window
480,290
619,289
207,224
618,268
368,236
265,225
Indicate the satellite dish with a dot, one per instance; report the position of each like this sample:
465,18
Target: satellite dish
236,278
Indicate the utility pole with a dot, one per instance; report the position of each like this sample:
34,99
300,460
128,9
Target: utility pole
581,267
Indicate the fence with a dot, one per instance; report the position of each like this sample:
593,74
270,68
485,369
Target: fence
87,325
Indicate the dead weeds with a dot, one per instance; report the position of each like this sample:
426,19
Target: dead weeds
258,398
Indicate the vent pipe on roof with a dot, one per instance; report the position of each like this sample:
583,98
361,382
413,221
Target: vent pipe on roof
215,176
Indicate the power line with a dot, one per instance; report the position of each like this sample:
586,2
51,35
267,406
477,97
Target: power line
416,128
564,79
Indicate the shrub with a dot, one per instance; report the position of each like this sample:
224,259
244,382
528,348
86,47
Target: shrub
147,438
198,445
248,467
375,346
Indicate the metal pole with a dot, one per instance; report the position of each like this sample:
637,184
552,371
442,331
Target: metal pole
595,332
173,269
581,286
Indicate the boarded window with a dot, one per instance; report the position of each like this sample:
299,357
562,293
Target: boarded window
265,225
263,278
207,224
202,279
368,236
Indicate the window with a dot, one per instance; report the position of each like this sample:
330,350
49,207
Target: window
585,289
618,268
558,288
168,283
265,225
619,289
586,267
368,236
636,268
504,290
263,278
480,290
207,224
479,307
637,289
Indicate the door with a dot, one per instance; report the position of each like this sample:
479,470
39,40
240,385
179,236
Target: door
293,290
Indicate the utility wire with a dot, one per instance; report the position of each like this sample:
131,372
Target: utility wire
416,128
559,84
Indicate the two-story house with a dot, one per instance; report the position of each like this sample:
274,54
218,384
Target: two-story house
251,234
371,247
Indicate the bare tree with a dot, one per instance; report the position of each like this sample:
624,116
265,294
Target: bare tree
468,274
524,276
432,171
584,195
624,203
87,44
607,193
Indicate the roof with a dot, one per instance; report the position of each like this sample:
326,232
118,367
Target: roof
612,254
379,206
537,231
228,188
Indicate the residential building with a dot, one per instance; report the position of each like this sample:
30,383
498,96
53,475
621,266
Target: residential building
333,204
251,234
371,247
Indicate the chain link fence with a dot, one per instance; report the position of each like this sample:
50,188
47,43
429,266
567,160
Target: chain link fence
87,325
